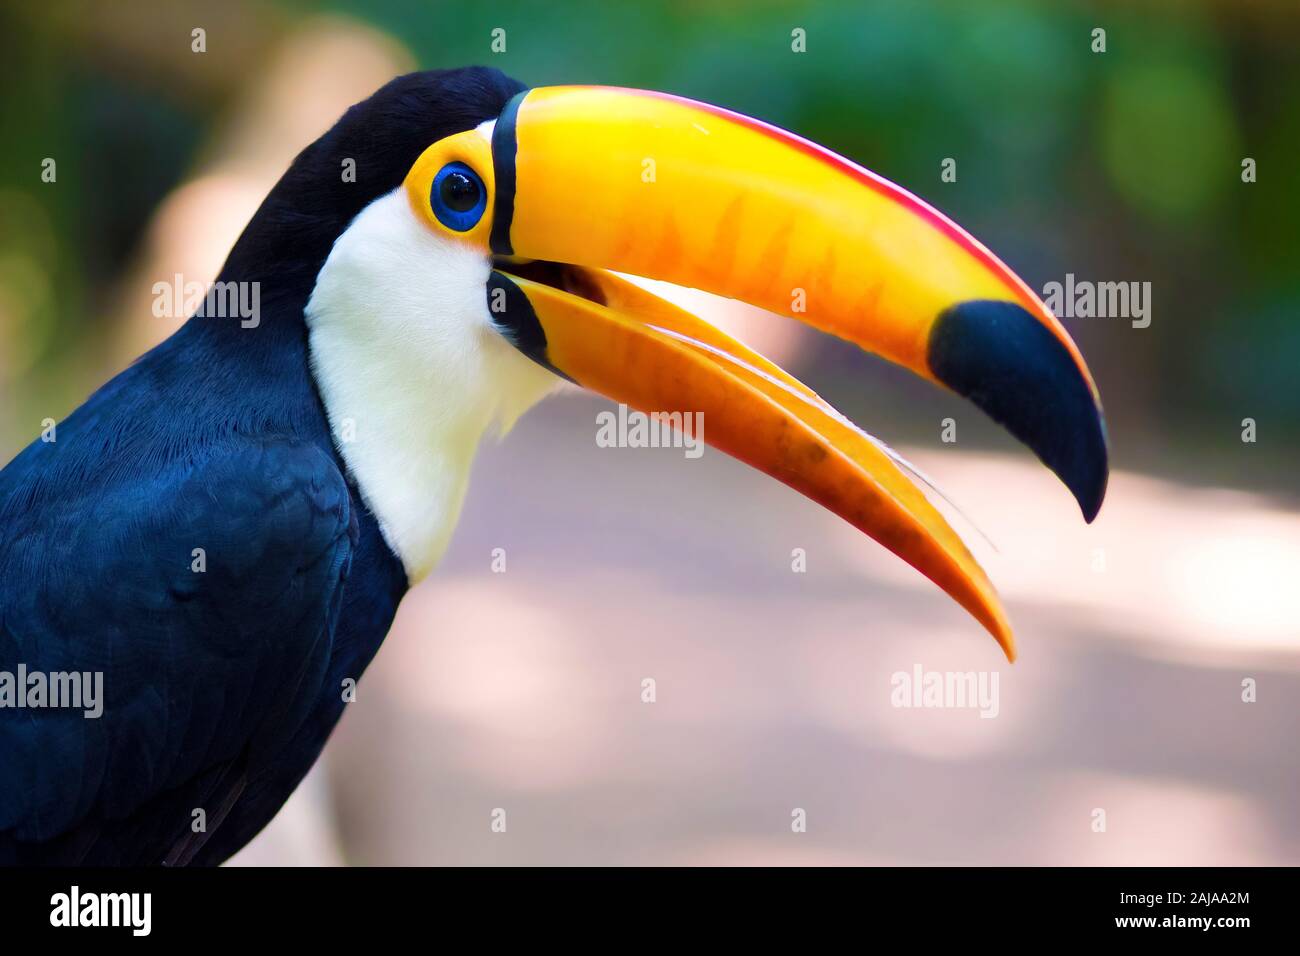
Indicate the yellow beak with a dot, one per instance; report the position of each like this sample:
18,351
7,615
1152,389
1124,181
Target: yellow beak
590,178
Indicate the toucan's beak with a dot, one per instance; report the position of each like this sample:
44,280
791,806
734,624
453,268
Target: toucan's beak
662,187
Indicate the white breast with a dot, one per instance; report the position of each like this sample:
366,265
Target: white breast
412,372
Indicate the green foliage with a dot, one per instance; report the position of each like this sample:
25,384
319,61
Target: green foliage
1123,165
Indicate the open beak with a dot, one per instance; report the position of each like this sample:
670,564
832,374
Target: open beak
594,178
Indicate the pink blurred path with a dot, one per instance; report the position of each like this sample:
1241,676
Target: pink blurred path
522,690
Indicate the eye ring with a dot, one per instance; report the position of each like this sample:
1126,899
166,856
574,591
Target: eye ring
458,197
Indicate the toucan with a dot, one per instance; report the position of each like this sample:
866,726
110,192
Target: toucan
223,532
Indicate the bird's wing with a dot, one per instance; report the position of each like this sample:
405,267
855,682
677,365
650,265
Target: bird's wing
206,598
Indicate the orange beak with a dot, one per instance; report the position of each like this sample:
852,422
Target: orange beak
589,179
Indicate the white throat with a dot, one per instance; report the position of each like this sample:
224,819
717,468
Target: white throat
412,372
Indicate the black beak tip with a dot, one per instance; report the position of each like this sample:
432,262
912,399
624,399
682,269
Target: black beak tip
1002,358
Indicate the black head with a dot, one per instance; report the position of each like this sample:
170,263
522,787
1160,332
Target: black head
290,235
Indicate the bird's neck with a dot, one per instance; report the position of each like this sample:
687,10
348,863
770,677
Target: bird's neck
411,373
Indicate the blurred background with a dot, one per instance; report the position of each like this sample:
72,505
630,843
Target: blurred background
523,690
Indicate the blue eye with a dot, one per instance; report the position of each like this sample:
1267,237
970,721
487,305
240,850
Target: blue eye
458,197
